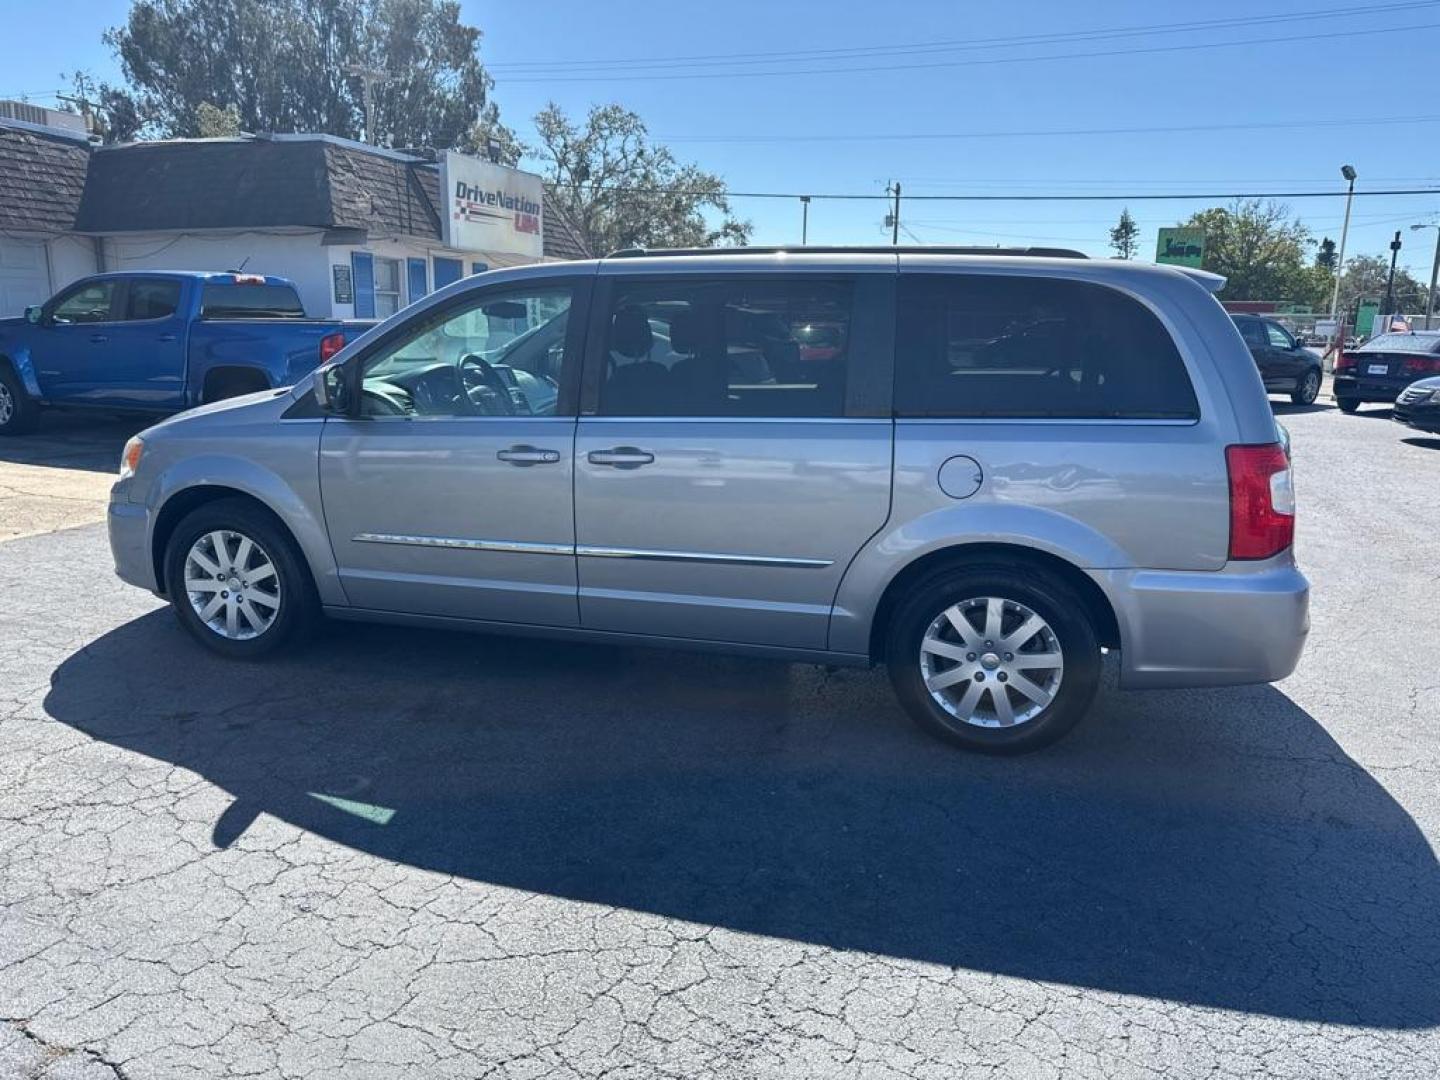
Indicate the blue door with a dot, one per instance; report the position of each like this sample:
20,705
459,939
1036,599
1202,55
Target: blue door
71,346
362,270
143,363
448,270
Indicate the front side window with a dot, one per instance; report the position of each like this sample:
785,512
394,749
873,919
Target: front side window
387,287
87,304
497,354
152,298
972,345
1278,338
738,347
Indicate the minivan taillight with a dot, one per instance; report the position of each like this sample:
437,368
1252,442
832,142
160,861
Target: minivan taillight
330,344
1262,501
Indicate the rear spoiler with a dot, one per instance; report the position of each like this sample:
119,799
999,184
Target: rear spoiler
1213,282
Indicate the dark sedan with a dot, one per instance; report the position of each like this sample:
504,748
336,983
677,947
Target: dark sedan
1384,366
1418,405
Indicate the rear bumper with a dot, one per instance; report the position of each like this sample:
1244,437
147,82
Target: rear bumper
1244,624
129,525
1376,389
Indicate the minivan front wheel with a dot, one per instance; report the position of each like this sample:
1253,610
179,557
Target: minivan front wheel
236,580
997,659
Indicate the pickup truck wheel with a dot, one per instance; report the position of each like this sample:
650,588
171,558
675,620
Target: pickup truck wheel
237,582
997,659
18,412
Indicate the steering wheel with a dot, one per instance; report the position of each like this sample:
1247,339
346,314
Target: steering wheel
488,380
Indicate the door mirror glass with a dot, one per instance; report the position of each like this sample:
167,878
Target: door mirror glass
33,313
332,389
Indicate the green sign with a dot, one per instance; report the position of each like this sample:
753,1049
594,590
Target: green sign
1365,317
1181,247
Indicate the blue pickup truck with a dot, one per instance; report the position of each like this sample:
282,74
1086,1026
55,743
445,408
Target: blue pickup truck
159,342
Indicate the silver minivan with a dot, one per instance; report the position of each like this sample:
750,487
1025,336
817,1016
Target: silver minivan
981,470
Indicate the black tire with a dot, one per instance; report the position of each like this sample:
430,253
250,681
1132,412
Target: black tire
1347,404
1045,595
18,410
299,607
1308,389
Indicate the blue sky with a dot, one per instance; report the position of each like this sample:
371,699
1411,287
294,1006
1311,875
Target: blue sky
1227,115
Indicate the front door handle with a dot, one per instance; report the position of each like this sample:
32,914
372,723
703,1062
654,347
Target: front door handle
620,457
98,339
166,337
524,455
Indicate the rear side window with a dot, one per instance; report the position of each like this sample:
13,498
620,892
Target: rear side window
152,298
757,347
970,345
244,301
1406,343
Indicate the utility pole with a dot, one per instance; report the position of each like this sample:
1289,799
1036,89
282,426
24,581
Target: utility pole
894,222
84,105
369,78
805,221
1348,172
1390,282
1434,270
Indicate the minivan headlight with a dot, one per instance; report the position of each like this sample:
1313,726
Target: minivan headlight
130,457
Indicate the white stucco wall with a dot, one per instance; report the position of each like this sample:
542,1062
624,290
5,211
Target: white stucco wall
34,267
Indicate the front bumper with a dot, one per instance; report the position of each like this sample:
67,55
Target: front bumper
1244,624
1422,415
129,525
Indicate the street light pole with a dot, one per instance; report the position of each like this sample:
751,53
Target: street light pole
804,220
1348,172
1434,271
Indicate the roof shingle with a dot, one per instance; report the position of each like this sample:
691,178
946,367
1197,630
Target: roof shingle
41,178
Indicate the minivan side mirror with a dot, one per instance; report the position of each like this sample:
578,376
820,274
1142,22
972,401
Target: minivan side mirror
332,389
34,313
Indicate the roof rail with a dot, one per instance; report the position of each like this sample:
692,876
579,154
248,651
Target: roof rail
852,249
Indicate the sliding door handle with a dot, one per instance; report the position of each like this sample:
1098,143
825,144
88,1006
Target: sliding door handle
620,457
524,455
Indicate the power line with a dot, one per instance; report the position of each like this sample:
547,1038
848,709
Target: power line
909,49
1190,196
1010,133
629,76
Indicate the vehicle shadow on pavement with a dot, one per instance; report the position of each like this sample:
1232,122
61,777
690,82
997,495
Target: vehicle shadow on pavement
1215,848
1422,442
90,442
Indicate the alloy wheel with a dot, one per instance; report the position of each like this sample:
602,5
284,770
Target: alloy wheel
7,404
232,584
991,662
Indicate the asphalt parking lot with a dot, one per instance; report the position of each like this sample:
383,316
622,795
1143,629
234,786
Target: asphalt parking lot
432,855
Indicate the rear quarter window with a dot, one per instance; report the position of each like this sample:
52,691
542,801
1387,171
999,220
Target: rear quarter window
971,345
244,301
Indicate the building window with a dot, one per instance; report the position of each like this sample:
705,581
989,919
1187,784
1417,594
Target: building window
387,287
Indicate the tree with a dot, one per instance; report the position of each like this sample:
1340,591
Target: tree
1260,249
625,190
214,122
280,65
1125,236
1365,277
111,112
1325,257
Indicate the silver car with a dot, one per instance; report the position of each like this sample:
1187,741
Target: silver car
982,470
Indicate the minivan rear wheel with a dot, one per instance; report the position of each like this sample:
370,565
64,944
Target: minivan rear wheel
237,581
997,659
